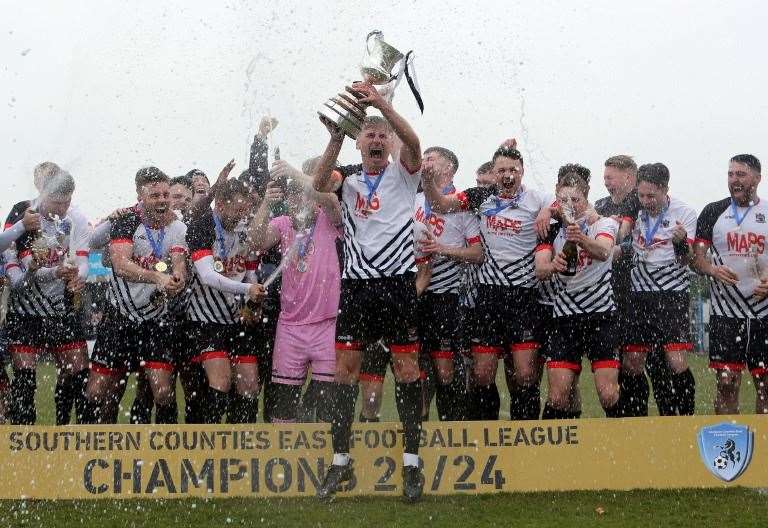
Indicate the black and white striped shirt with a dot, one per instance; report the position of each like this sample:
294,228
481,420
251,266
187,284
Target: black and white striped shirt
742,249
655,267
378,233
460,229
132,299
207,304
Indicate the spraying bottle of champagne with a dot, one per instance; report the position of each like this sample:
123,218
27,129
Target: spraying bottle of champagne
570,248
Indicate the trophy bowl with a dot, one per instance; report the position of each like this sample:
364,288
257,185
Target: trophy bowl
379,61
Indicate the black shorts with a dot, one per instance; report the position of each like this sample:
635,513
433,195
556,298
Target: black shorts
543,327
438,316
659,320
624,315
31,335
375,360
504,319
219,341
178,340
124,345
737,343
374,309
590,335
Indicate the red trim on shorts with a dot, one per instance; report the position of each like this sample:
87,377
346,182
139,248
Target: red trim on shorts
245,359
677,347
690,241
410,348
373,378
23,349
564,365
543,247
201,253
213,354
441,354
606,364
642,349
484,349
81,253
252,265
178,249
527,345
702,241
411,172
606,235
158,365
722,365
25,253
349,346
474,240
628,219
106,371
422,260
74,345
463,200
422,375
759,371
121,241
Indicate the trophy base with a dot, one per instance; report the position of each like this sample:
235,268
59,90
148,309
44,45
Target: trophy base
345,113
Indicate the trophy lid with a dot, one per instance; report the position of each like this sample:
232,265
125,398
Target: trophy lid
379,59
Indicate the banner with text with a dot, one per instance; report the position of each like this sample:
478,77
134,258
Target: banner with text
472,457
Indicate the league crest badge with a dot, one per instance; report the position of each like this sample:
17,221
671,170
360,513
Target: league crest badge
726,449
760,218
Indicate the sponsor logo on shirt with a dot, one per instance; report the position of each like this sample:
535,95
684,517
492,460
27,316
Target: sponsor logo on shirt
742,242
435,222
363,209
503,226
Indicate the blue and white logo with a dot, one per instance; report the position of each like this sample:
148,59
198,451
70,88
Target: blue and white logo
726,449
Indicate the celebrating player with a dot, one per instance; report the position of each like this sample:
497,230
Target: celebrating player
734,231
148,251
47,270
583,304
378,293
663,232
444,241
507,286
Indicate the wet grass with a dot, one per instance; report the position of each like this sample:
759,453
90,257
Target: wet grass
733,507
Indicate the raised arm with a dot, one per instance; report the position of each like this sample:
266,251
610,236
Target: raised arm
29,222
324,169
262,235
201,206
410,152
282,170
441,203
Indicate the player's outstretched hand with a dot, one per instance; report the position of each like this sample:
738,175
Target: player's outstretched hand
725,274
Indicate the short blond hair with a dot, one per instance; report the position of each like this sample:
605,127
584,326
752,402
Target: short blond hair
623,163
44,172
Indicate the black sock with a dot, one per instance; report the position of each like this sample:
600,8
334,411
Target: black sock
444,401
633,394
685,392
243,410
80,382
661,380
22,399
194,393
528,403
166,414
486,401
550,413
307,411
342,403
216,405
408,400
63,398
141,410
612,412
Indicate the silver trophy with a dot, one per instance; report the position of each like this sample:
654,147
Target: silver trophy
377,67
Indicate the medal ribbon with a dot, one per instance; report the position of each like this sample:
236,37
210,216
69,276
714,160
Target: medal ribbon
157,246
372,186
428,207
224,252
513,203
650,232
735,211
304,244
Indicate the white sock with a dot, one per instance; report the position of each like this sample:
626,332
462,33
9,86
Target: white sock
340,459
409,459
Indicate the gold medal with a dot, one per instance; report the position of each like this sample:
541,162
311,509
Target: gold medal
161,266
218,266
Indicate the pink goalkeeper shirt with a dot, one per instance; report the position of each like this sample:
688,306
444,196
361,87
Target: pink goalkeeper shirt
313,295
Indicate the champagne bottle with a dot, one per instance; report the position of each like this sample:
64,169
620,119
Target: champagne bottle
571,254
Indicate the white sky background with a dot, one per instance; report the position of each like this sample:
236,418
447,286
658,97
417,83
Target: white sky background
105,87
